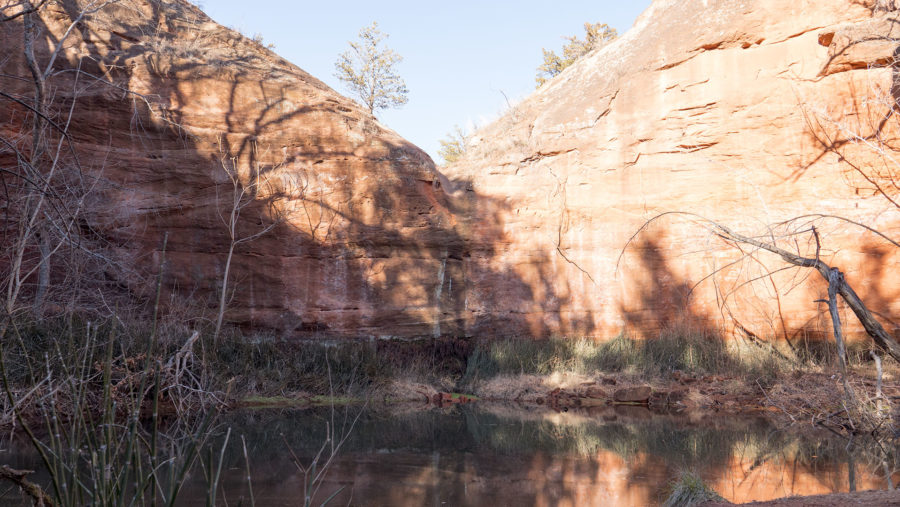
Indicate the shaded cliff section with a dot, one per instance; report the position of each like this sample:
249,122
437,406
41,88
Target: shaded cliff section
769,117
164,105
751,118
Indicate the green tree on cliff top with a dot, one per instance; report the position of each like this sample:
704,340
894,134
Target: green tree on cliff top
453,146
596,36
369,71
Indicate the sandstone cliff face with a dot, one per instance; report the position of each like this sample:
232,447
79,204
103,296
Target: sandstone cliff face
748,113
362,244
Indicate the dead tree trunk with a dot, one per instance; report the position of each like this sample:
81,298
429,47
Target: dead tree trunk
836,284
835,279
38,147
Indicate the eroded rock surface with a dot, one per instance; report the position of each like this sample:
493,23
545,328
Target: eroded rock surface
747,113
362,243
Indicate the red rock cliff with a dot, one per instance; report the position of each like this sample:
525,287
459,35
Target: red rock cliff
362,244
748,113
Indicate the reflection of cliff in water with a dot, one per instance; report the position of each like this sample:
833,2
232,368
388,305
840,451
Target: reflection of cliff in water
493,456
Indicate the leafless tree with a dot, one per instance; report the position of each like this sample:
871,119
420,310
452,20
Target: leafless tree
249,188
833,276
46,195
45,189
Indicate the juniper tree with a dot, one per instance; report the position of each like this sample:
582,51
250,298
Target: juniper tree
453,146
596,36
369,71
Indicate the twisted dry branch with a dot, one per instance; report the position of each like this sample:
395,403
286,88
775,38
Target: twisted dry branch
836,281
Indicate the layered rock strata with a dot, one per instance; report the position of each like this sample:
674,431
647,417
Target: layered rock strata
167,106
768,117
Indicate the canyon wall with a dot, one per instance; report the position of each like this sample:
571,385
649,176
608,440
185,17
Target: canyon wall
167,105
768,117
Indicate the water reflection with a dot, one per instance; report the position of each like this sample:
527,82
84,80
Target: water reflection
504,455
496,455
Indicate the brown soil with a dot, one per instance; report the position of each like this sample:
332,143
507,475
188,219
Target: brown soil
859,498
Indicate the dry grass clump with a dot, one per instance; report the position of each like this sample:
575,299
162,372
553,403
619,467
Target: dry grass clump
92,399
819,397
122,414
673,350
527,388
267,365
689,490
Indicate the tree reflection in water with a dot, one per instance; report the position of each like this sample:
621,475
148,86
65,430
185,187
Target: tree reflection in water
489,454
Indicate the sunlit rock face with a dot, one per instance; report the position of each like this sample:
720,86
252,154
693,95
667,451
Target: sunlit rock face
747,113
361,242
741,112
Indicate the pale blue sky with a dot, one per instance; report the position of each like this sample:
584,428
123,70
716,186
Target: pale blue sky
458,56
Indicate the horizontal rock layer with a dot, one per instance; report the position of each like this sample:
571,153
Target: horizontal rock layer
167,104
766,116
762,113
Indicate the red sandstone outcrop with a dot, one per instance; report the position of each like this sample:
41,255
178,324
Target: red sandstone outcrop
362,246
743,112
748,113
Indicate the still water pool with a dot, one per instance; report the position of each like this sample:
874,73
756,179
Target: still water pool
498,455
506,455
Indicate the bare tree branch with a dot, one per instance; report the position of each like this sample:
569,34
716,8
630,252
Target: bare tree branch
27,8
833,276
